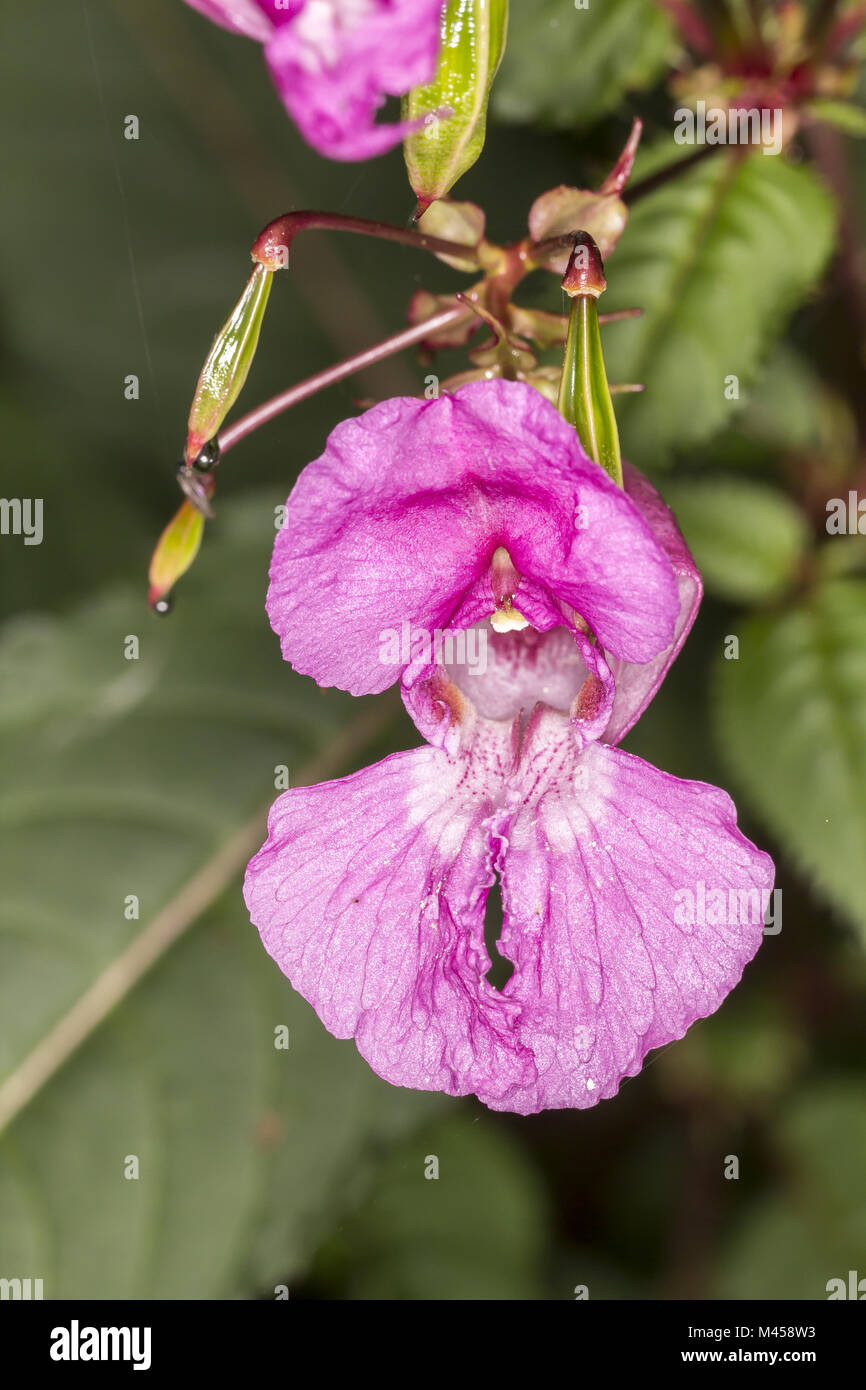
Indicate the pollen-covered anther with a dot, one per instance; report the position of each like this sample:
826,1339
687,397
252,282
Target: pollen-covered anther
507,619
504,580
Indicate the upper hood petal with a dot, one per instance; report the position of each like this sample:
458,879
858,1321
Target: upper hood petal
240,16
401,515
637,684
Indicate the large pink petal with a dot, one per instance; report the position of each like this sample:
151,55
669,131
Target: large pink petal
400,517
636,685
240,16
335,62
595,872
369,894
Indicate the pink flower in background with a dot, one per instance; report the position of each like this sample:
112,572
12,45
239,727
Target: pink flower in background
557,602
335,61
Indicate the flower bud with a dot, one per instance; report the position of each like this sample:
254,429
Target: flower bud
175,551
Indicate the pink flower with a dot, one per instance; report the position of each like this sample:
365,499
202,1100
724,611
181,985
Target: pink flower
419,522
335,61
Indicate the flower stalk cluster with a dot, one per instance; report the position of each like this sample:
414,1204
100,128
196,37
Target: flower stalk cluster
455,233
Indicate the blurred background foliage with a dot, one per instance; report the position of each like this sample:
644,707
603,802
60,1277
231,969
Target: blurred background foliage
262,1167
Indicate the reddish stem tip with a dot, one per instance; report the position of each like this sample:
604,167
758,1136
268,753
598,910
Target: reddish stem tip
585,272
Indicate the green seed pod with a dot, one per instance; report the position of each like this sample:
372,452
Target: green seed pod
453,107
584,394
175,551
228,362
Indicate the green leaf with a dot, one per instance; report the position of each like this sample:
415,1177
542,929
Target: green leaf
748,1051
149,777
478,1230
844,115
792,408
778,1253
792,722
570,66
791,419
748,538
86,541
718,259
813,1229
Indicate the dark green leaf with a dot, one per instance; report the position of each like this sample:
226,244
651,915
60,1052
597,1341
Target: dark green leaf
792,720
717,260
477,1231
748,538
571,66
813,1230
125,777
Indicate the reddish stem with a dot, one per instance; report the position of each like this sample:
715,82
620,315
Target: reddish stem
668,173
271,247
250,422
619,314
847,27
286,399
